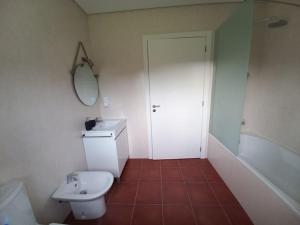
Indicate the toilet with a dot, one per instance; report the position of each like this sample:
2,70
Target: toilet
15,207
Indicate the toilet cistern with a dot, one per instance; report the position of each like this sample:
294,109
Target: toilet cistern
15,206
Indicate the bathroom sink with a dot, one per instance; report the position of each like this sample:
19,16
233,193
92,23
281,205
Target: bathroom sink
106,124
106,128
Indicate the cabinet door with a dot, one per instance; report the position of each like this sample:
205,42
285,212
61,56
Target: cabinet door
123,149
101,154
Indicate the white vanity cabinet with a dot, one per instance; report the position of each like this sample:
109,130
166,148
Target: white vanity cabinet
106,146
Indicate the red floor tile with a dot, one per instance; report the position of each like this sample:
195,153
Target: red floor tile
147,215
212,176
224,195
149,192
178,215
211,216
150,174
171,174
106,197
201,194
188,190
205,164
147,163
175,193
170,163
189,162
238,216
134,163
117,215
123,193
192,174
131,174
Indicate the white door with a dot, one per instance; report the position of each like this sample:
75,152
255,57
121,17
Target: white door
176,82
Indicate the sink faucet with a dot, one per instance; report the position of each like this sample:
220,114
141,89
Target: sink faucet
72,177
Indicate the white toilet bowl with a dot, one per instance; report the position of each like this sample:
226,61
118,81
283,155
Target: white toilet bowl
15,207
85,191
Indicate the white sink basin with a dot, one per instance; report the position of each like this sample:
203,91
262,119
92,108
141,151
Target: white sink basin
106,125
106,128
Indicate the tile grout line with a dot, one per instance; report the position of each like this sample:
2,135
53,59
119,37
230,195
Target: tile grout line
219,202
215,195
188,195
136,194
180,167
162,196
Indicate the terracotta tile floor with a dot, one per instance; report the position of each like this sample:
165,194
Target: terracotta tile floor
170,192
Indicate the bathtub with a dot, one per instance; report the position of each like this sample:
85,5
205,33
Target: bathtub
278,167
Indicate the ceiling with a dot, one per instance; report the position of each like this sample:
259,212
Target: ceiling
105,6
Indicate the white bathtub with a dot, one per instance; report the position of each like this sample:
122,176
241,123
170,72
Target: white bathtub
275,165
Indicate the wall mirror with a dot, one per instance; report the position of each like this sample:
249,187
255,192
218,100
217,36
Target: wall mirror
84,80
85,84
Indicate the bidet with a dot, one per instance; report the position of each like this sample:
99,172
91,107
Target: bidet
85,193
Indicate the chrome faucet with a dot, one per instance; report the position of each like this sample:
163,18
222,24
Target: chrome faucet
72,177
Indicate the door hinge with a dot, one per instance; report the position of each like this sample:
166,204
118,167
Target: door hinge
200,149
205,48
202,103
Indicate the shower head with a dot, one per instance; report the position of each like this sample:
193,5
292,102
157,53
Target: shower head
278,23
273,22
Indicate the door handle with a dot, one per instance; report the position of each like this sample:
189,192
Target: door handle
155,106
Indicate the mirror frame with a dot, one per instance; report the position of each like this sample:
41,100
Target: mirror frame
84,60
73,81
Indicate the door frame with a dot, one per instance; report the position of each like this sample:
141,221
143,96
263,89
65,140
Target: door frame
208,81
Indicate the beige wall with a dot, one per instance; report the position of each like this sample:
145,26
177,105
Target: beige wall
40,115
118,48
272,108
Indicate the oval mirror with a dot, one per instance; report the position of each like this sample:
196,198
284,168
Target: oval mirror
86,84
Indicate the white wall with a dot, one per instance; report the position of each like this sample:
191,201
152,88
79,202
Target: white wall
40,116
272,106
263,206
118,48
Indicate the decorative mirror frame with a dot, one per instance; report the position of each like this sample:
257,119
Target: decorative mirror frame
84,59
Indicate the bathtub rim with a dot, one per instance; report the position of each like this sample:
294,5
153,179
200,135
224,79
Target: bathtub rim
291,203
285,147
